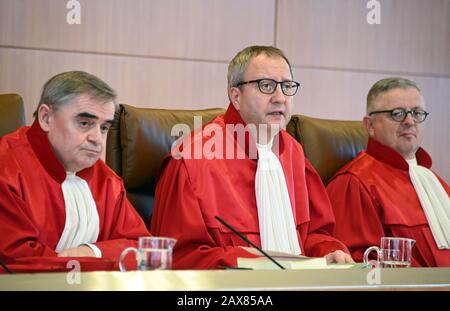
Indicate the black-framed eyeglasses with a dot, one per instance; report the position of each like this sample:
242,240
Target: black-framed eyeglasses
399,114
268,86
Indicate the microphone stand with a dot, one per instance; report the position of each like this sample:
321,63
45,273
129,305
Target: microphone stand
5,267
249,242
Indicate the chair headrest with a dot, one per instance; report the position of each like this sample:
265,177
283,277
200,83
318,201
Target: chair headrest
12,113
146,138
328,144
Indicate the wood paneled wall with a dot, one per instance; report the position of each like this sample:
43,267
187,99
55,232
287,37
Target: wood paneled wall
174,53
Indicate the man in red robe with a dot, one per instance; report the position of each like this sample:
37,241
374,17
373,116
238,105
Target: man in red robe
57,198
272,195
389,189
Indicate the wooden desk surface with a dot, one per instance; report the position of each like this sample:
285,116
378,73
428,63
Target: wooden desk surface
379,279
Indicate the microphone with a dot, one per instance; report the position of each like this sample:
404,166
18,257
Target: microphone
249,242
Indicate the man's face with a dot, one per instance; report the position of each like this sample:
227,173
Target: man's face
405,137
77,131
256,107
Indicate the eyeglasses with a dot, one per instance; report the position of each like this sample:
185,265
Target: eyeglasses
399,114
268,86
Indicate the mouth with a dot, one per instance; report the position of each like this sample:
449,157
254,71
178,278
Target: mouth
276,113
408,134
95,152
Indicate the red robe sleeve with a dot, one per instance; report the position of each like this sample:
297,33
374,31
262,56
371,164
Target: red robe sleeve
320,241
120,228
178,214
18,235
358,222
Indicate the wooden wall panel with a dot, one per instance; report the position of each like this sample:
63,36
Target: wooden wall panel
437,100
157,83
413,37
193,29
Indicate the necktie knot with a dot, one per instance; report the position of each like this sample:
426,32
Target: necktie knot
266,156
71,177
412,162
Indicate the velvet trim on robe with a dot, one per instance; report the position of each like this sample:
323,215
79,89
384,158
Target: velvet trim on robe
373,196
191,192
32,208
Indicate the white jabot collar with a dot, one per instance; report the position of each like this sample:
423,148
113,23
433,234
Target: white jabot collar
82,220
434,200
276,220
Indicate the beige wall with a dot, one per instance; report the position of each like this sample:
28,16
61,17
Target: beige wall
174,53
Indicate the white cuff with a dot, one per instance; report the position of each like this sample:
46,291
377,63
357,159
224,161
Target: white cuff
95,249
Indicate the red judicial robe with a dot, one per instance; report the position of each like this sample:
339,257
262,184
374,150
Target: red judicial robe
191,192
32,209
373,196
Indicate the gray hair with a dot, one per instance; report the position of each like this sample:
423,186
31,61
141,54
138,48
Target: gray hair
386,85
239,64
63,88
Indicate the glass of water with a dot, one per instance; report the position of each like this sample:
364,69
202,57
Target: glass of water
152,253
392,253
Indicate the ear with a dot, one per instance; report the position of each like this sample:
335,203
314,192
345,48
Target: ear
44,117
368,124
234,93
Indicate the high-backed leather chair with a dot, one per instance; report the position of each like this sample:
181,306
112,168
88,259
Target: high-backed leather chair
12,113
137,143
328,144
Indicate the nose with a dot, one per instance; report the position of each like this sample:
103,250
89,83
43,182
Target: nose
278,95
409,118
95,136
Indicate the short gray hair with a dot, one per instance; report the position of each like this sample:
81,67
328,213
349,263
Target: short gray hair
386,85
239,64
63,88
